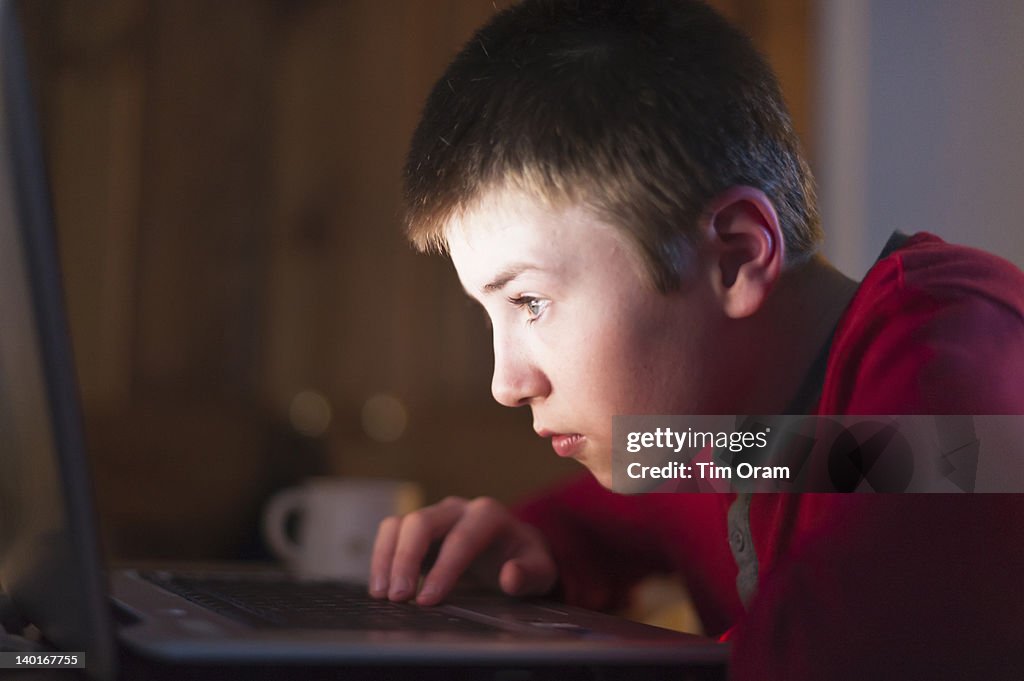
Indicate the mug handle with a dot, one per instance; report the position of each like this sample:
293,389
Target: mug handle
282,505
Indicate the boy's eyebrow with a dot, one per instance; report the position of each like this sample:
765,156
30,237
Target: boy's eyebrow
505,276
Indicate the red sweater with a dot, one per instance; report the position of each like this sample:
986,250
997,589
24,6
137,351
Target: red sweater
849,586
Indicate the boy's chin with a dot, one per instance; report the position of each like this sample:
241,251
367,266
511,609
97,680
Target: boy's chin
603,475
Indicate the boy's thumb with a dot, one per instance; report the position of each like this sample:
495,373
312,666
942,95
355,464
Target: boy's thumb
527,576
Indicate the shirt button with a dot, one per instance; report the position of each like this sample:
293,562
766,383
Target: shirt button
737,542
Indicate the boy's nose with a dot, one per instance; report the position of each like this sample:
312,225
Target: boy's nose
516,381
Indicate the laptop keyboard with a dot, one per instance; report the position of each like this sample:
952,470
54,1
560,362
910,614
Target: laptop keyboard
278,602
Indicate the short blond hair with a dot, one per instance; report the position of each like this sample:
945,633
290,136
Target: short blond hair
643,111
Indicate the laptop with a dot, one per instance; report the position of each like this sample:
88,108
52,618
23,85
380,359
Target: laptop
50,560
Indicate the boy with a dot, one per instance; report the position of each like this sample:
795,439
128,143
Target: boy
619,186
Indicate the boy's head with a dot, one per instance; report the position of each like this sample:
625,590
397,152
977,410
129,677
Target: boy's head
643,111
572,160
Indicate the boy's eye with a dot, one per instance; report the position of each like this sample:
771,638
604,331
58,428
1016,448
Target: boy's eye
534,306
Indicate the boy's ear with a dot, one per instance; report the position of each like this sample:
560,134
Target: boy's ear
746,249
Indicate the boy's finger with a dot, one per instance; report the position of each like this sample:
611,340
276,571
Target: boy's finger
532,574
417,531
383,553
473,534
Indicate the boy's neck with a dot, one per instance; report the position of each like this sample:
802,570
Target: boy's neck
791,329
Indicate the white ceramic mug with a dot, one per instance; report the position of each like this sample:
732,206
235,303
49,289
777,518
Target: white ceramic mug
337,522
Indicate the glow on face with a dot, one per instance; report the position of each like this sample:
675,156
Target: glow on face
579,333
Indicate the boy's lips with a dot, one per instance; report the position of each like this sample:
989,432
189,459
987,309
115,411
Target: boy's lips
565,445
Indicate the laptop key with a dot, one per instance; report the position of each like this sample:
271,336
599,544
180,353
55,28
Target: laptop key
264,602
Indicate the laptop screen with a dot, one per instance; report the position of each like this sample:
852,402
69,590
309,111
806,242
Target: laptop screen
49,559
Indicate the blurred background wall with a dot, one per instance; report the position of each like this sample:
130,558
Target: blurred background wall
920,124
245,311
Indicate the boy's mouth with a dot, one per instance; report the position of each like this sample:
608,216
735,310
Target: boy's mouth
567,445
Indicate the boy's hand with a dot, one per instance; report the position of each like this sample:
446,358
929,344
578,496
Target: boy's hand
480,536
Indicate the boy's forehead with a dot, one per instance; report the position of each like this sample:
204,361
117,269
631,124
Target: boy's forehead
506,236
502,239
508,220
496,215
